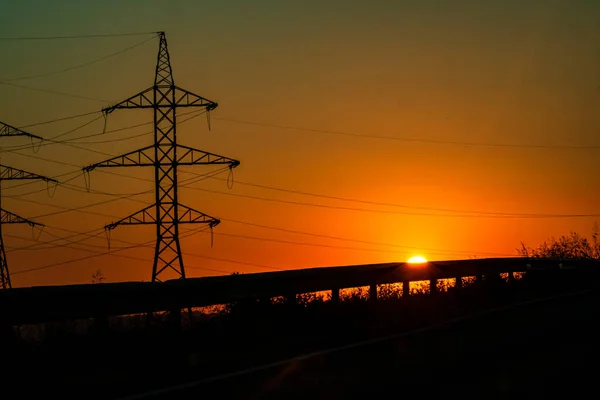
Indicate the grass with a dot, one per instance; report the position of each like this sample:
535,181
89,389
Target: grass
41,333
231,336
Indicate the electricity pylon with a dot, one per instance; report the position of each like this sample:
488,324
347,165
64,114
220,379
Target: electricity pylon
7,130
6,217
165,155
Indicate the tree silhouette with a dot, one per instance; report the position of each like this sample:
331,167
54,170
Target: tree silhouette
98,277
566,247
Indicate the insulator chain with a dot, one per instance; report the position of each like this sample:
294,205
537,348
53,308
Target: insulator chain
230,178
53,192
33,146
36,238
105,122
107,234
87,178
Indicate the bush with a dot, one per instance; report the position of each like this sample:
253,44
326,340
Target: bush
566,247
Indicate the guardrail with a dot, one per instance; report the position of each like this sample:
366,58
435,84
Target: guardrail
50,303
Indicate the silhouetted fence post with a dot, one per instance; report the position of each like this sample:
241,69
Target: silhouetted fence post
459,283
150,319
174,319
432,286
101,325
405,288
9,339
493,279
373,292
292,299
335,295
7,335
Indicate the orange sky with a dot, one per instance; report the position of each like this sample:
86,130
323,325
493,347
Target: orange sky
499,73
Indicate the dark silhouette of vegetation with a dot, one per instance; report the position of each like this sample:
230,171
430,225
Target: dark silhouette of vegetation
247,333
98,277
572,246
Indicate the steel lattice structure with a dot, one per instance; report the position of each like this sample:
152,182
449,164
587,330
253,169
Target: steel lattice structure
6,217
165,155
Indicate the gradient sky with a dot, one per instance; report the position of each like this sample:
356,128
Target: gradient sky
495,72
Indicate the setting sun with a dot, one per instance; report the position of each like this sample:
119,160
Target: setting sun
417,260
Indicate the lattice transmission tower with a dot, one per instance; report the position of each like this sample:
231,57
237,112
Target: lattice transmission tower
165,155
6,217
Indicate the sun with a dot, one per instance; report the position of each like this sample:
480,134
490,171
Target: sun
417,260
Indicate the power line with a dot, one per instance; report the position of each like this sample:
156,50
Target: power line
550,215
50,91
342,239
194,232
115,198
46,141
86,236
208,175
110,140
194,114
80,173
71,165
111,252
416,140
128,196
439,251
433,251
53,141
66,143
147,245
63,263
291,242
65,210
59,119
73,129
47,189
239,262
92,36
97,60
37,247
474,214
398,212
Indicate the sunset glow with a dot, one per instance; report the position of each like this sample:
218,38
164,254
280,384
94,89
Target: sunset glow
417,260
450,152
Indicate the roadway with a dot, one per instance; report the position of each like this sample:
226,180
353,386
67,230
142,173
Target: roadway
539,350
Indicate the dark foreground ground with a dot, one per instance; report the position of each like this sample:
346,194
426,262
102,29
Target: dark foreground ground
538,350
541,348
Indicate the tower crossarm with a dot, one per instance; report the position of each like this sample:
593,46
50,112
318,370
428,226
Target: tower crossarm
188,215
184,98
9,173
9,218
9,130
190,156
145,158
144,99
141,158
166,97
144,216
